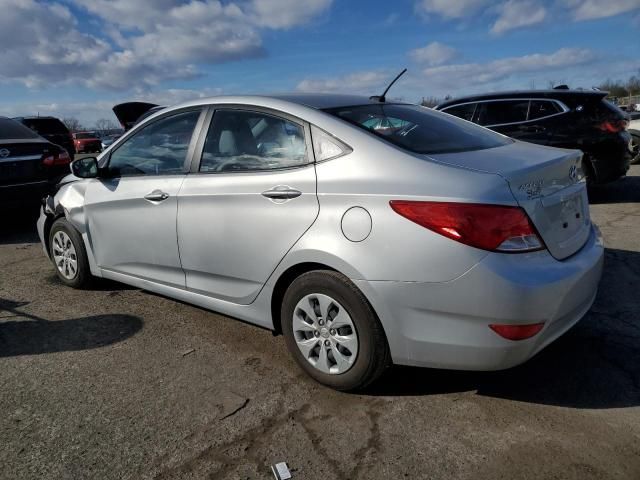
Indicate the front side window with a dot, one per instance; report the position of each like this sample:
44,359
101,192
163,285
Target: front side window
501,112
464,111
157,149
420,129
240,140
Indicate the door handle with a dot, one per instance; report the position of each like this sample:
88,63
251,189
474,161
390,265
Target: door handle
282,192
156,196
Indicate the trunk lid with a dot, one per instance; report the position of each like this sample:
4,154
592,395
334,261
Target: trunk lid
21,161
546,182
128,113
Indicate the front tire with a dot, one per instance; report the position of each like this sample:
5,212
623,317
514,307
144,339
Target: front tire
68,254
332,331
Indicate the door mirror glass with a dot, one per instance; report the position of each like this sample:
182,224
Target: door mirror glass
85,167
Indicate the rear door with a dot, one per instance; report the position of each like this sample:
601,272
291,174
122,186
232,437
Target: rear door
251,195
511,118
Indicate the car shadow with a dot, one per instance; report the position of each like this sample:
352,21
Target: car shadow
625,190
595,365
33,335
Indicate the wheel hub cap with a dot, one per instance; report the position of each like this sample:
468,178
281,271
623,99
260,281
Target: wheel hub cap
325,333
64,255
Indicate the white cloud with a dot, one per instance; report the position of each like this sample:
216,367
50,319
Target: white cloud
358,82
482,74
145,41
518,13
435,53
287,13
450,8
592,9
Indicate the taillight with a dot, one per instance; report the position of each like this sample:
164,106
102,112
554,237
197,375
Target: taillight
61,158
496,228
613,126
517,332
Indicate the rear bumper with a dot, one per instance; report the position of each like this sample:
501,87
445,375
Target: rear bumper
24,194
611,159
445,325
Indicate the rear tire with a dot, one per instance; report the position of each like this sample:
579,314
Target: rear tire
69,255
314,303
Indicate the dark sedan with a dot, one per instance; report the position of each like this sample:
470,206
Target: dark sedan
575,119
29,165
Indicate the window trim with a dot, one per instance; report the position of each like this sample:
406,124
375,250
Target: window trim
560,104
106,160
209,118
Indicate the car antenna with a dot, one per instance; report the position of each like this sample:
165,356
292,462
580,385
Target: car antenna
382,98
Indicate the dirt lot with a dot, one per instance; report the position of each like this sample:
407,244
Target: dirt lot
118,383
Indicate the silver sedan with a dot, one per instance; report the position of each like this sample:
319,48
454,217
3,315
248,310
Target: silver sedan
368,233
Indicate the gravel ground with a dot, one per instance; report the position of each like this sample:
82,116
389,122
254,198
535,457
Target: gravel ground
116,383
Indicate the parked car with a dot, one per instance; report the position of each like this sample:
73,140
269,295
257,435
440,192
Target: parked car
563,118
51,129
107,140
87,142
634,130
30,166
428,241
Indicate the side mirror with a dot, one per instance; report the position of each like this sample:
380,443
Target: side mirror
85,167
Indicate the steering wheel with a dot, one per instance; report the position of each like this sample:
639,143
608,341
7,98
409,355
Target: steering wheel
240,163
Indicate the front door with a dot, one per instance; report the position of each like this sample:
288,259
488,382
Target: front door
131,210
252,196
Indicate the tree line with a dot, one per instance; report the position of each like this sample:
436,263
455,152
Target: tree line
102,126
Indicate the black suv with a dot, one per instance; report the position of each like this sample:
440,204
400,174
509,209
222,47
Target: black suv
562,118
52,129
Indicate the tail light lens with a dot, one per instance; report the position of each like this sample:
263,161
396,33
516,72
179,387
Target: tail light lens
61,158
496,228
613,126
517,332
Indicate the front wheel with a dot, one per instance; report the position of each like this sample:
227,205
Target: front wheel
332,331
68,254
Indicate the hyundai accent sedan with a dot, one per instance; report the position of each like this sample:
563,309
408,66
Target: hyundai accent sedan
367,233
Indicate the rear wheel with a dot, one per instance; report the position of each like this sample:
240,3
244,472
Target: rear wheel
332,331
68,254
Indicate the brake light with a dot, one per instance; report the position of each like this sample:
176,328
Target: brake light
613,126
61,158
496,228
517,332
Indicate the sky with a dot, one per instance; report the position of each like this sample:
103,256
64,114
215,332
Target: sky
80,57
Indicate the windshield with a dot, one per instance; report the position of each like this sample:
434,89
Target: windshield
10,129
419,129
82,136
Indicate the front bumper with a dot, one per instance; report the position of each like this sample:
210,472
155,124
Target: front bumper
445,325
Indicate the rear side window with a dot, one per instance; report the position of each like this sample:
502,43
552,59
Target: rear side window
465,111
501,112
45,125
240,140
420,129
10,129
542,108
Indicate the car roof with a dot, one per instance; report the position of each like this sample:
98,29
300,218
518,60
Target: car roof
39,117
317,101
553,94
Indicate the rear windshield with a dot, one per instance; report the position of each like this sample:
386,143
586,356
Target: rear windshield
45,125
419,129
84,135
10,129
